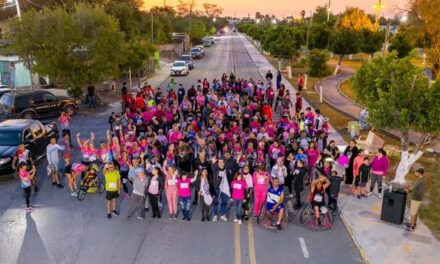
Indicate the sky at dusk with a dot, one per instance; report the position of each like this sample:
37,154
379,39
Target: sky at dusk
283,8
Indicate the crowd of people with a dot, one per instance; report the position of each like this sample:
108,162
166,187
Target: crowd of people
226,141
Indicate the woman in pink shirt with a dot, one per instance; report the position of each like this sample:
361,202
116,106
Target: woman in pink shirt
184,191
25,184
312,157
171,176
261,182
379,168
238,186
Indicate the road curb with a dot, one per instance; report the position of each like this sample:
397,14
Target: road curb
363,253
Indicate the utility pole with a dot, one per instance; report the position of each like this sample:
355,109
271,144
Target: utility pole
379,6
328,10
152,26
308,32
164,3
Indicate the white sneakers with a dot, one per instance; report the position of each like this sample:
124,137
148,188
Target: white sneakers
239,222
74,194
235,220
224,218
214,219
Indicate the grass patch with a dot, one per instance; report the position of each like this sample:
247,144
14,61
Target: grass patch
430,210
347,90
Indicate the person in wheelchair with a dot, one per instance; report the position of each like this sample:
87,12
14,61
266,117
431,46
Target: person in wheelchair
317,194
275,200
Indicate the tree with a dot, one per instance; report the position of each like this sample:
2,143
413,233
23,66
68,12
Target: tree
345,42
185,7
423,22
371,41
136,52
283,41
319,36
320,16
356,19
401,44
398,96
317,63
212,10
74,48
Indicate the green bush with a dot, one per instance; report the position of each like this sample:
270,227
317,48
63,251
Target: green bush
317,63
75,92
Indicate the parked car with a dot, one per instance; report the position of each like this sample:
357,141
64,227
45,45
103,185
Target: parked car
207,42
35,104
179,68
188,59
32,133
4,89
197,52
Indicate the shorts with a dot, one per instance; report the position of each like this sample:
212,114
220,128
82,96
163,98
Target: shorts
414,208
278,209
356,181
110,195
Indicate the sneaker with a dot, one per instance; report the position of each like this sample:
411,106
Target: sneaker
59,185
279,226
208,218
246,218
36,189
364,195
358,196
239,222
159,216
54,183
146,209
224,218
109,216
115,213
171,217
74,194
411,228
214,219
235,220
203,219
140,218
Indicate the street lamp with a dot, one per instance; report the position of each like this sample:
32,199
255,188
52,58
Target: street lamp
274,21
17,5
214,19
328,10
258,21
379,6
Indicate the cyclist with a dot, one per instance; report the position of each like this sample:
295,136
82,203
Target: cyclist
275,199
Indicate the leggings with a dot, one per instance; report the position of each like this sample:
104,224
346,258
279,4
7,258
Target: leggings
154,201
376,178
172,200
204,208
27,195
259,198
124,176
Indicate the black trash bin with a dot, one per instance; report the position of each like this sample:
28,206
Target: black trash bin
393,206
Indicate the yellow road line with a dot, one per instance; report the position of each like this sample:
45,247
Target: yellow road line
237,244
252,258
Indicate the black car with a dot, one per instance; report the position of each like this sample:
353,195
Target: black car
32,133
197,52
35,104
188,59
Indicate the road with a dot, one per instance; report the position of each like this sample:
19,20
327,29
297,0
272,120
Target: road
64,230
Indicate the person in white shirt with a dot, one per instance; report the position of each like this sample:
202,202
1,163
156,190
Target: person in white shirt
279,171
53,161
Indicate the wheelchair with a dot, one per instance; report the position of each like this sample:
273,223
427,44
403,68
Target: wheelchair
325,220
269,219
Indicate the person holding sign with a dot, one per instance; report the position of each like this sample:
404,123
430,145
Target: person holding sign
205,195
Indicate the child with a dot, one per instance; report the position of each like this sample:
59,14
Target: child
298,181
154,190
249,187
238,186
205,195
26,177
335,184
184,192
363,177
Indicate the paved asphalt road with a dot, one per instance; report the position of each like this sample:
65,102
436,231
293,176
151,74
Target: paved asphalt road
64,230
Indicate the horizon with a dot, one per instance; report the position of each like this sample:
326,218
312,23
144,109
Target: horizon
279,8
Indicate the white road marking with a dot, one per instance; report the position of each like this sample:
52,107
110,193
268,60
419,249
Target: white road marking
304,247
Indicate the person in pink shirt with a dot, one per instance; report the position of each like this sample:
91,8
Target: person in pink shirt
261,182
26,177
312,157
238,186
154,191
171,176
358,161
379,169
184,191
245,172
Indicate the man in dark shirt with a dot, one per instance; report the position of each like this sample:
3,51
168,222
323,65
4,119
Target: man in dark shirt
417,194
91,96
269,75
124,89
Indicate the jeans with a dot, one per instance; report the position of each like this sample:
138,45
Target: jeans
220,198
136,205
238,206
185,203
91,100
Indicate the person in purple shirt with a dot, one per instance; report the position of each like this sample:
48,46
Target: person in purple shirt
379,168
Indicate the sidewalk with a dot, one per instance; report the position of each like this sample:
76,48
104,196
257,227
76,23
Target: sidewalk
378,242
334,97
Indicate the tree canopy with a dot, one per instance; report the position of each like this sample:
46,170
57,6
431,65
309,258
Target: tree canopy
355,19
345,42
